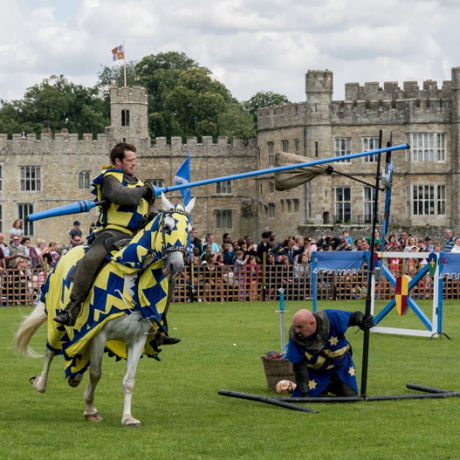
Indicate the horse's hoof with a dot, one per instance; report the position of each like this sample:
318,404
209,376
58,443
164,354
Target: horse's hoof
131,422
94,417
32,379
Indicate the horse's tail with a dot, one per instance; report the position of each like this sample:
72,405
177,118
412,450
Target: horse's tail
27,329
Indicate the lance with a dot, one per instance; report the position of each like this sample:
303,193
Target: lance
85,206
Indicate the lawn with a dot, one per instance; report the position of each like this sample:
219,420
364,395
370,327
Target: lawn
183,417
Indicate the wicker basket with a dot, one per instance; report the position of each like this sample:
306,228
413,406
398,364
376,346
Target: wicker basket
276,370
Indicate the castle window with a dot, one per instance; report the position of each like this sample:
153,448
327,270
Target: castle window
342,147
271,154
156,182
224,219
24,209
83,180
271,186
261,188
285,146
125,118
1,218
369,196
370,143
428,200
428,147
289,208
297,146
282,205
1,180
296,206
224,187
271,210
342,204
30,179
316,149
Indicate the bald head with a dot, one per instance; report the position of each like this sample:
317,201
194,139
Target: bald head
304,323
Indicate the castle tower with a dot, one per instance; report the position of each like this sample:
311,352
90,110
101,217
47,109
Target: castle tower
455,142
129,114
319,89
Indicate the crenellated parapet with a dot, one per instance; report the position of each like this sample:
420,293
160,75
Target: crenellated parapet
391,111
128,95
176,148
61,144
282,115
372,91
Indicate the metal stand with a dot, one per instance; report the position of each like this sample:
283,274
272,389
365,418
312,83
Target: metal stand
281,311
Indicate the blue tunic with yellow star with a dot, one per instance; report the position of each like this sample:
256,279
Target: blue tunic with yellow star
320,368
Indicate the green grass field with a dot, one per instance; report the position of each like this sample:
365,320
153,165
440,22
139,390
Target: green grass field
183,417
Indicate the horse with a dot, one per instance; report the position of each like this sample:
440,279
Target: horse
127,321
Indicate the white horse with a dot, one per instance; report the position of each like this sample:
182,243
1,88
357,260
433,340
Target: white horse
165,251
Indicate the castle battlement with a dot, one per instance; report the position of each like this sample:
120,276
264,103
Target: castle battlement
390,91
204,149
434,110
127,94
278,116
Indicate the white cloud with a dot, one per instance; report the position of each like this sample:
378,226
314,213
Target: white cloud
250,45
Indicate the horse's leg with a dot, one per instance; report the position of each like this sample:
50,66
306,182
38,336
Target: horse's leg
95,371
41,383
134,350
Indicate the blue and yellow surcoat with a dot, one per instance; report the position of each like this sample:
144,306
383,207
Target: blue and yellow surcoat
119,217
335,357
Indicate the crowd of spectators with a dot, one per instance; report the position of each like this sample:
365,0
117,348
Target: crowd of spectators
24,266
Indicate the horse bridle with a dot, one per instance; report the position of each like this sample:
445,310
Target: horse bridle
164,250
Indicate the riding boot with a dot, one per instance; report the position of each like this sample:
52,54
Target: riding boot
69,315
166,340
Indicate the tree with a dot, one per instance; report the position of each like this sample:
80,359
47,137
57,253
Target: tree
62,103
264,99
235,121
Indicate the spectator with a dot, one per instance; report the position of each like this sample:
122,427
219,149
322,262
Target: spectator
17,229
288,250
272,236
346,237
376,238
194,240
421,246
236,246
392,243
51,256
403,239
437,247
2,242
14,251
262,247
365,245
327,240
428,244
75,231
358,245
239,272
210,239
456,247
75,241
253,276
226,254
410,243
2,260
207,251
449,242
30,251
226,238
252,248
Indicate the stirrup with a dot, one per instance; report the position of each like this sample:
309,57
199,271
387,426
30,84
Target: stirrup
65,319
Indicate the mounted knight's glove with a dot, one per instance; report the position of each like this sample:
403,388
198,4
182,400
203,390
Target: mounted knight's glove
149,194
358,318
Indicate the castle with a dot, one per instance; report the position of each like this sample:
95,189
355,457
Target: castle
41,174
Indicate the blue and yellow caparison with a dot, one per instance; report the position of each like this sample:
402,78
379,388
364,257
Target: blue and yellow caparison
141,264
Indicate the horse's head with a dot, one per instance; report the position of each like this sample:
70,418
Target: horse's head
175,228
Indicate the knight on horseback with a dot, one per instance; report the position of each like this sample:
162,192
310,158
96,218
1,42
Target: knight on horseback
128,202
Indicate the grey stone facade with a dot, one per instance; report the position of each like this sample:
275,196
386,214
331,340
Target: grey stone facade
425,191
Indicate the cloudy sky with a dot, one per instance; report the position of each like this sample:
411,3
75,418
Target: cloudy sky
250,45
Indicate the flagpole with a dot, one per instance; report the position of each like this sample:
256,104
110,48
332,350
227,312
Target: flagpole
124,59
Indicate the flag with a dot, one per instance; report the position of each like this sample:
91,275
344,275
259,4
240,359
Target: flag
118,53
183,177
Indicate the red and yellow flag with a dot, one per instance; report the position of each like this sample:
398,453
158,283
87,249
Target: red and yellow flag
118,53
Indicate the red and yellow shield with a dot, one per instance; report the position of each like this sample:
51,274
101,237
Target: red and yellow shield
401,294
